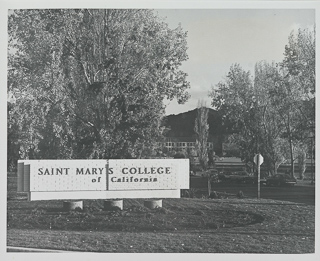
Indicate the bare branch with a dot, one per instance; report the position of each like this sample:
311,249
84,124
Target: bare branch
85,73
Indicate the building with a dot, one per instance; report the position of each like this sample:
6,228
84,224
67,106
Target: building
183,143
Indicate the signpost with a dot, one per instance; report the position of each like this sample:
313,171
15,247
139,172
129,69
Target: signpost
258,160
103,179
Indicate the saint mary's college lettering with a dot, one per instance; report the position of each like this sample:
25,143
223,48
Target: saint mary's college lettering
100,171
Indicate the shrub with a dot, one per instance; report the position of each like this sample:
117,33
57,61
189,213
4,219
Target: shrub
240,194
191,193
179,155
213,194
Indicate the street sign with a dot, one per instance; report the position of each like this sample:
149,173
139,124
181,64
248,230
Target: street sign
256,159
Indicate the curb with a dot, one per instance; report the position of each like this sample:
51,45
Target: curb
38,250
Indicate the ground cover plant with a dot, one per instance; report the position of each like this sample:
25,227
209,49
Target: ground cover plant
225,224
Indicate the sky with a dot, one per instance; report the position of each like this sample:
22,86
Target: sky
218,38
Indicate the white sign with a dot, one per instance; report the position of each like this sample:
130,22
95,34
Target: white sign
108,178
255,159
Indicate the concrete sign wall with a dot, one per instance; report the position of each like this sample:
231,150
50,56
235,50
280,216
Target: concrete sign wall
69,179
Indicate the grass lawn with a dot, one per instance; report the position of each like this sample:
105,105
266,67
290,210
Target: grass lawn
190,225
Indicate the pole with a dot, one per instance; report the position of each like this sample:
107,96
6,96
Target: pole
258,165
312,174
107,174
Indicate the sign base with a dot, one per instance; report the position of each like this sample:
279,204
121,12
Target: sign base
75,195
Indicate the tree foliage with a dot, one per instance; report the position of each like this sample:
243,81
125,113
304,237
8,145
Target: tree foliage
274,113
91,82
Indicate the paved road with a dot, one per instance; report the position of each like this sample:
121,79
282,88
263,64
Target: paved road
298,193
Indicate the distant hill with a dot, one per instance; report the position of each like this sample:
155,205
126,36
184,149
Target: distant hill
182,125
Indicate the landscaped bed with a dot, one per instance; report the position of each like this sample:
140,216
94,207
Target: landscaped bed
181,215
223,225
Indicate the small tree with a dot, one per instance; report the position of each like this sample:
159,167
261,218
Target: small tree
201,129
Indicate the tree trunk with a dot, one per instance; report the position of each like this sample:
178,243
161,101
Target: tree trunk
291,158
302,164
290,144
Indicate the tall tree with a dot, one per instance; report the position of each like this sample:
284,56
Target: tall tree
246,105
95,79
235,99
273,147
293,95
